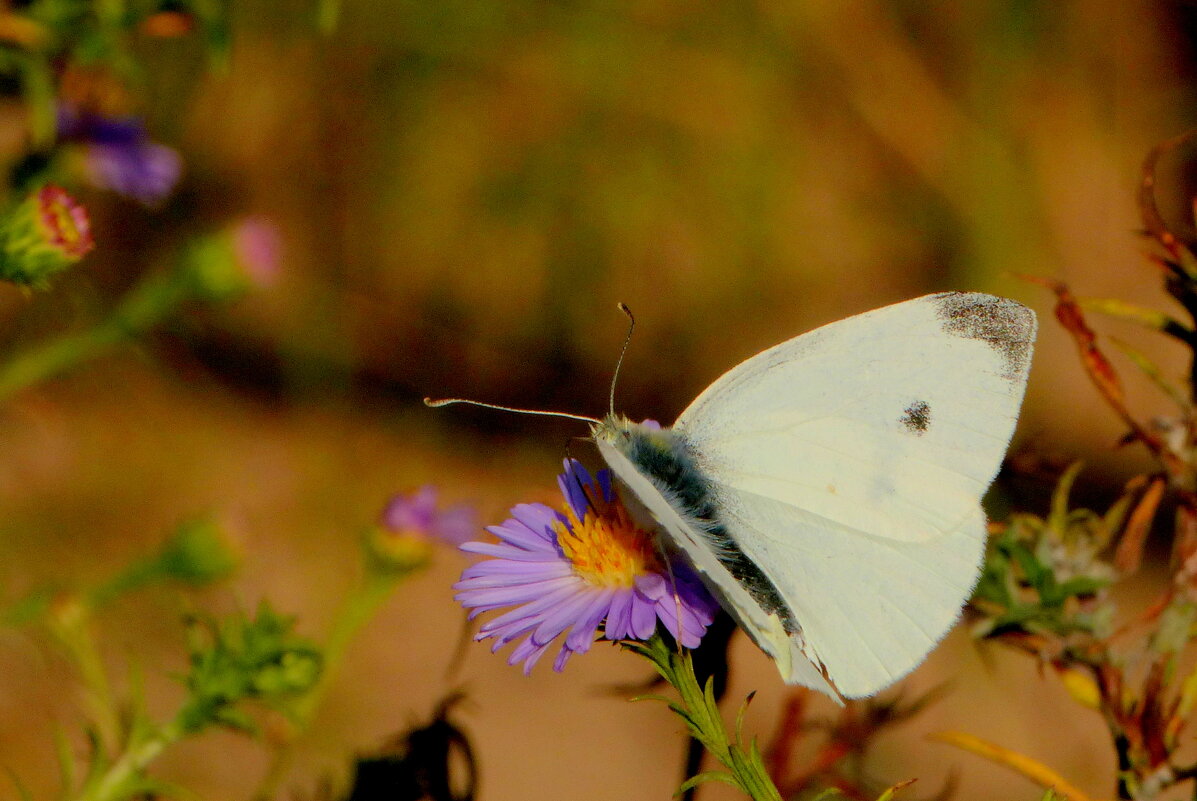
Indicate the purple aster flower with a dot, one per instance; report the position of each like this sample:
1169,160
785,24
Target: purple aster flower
119,156
410,527
571,572
417,513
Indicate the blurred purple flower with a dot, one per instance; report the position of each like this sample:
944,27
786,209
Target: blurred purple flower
119,156
575,571
417,513
257,247
411,526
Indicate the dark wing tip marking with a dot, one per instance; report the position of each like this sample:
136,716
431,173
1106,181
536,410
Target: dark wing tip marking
1006,326
917,418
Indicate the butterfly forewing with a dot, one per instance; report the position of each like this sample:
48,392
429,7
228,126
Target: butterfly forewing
849,464
893,422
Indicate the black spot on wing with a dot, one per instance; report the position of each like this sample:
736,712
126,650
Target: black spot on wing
667,458
1006,326
917,418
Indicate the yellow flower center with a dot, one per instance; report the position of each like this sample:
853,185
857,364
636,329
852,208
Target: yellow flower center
607,549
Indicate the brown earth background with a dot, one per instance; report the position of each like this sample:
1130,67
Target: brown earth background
465,190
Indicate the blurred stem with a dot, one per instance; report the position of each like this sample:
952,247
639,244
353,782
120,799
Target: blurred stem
328,13
123,779
355,612
150,302
72,629
137,575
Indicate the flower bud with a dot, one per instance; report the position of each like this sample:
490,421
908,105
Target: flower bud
397,551
48,232
196,554
242,257
410,526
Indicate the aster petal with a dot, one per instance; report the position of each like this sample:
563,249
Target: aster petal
535,608
696,617
532,569
643,617
511,595
604,480
513,532
562,658
494,578
508,633
690,632
508,552
652,586
619,619
575,482
516,534
569,613
582,634
538,519
527,652
697,599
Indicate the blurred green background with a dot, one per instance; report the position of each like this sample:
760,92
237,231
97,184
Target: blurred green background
465,190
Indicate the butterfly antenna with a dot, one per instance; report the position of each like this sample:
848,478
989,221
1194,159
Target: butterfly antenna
626,341
436,404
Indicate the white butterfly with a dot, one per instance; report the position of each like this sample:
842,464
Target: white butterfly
828,489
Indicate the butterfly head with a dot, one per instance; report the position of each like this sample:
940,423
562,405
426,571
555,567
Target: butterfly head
620,432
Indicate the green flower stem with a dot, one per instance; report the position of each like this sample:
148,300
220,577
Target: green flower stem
71,628
152,301
698,708
357,610
124,778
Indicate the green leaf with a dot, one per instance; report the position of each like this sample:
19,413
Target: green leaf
1153,372
827,793
1082,585
705,777
66,760
1058,517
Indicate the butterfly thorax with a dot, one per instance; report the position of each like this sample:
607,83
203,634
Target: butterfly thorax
666,457
668,460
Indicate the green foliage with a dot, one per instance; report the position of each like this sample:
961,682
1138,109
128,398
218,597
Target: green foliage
242,659
1045,575
700,711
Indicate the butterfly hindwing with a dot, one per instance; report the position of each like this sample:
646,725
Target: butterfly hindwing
870,607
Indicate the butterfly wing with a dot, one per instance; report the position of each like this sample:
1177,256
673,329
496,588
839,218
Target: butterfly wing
849,463
870,607
765,629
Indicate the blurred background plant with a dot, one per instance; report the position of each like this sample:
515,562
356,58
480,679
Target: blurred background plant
242,241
